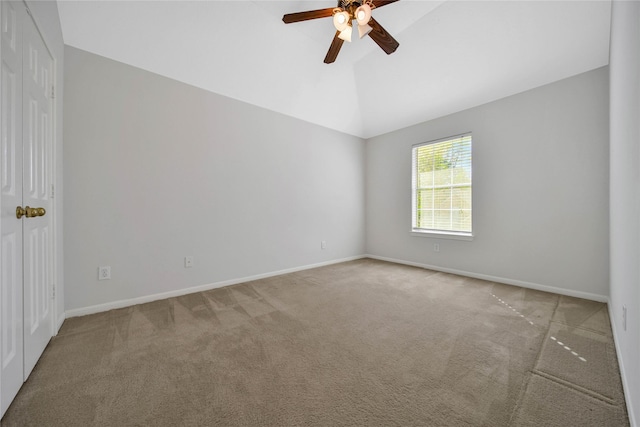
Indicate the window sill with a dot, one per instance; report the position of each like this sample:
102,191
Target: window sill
443,235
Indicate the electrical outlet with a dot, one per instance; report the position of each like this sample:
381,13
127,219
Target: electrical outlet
188,261
323,244
104,273
436,247
624,317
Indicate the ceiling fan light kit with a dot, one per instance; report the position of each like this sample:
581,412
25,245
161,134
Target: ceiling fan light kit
343,15
341,20
363,30
346,34
363,14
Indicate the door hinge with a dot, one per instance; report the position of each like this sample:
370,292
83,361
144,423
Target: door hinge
52,191
53,92
53,291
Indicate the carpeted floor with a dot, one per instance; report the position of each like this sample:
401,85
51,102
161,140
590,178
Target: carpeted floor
358,343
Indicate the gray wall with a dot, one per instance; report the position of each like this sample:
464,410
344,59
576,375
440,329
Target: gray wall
625,194
540,190
157,170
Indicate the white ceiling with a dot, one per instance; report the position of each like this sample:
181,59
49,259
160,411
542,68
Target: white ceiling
453,54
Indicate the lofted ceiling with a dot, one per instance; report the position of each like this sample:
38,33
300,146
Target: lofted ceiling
453,54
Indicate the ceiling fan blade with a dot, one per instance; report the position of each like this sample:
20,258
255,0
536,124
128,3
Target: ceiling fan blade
380,3
382,38
334,49
305,16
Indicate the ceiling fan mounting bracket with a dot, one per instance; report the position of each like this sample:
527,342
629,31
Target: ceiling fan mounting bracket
352,5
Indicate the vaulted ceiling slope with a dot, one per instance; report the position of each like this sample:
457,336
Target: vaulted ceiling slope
453,54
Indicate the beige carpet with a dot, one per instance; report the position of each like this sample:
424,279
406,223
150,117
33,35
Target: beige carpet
359,343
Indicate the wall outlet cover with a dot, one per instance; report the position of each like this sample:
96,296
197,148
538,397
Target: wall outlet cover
104,273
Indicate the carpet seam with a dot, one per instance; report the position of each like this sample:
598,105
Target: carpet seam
569,384
581,328
546,334
558,380
575,387
523,392
527,380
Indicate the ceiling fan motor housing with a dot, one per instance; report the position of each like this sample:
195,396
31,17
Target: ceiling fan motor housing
350,6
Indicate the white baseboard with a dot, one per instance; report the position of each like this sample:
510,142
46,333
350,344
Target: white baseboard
623,375
529,285
179,292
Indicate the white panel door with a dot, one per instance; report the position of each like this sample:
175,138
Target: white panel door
37,66
25,159
11,303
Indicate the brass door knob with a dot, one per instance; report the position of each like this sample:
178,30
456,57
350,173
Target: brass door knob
34,212
29,212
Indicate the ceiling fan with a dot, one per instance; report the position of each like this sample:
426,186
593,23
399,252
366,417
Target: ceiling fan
343,15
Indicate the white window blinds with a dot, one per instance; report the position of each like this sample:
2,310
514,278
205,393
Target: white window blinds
442,186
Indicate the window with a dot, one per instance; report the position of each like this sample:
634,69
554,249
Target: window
441,190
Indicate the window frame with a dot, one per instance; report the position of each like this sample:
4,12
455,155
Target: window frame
434,233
